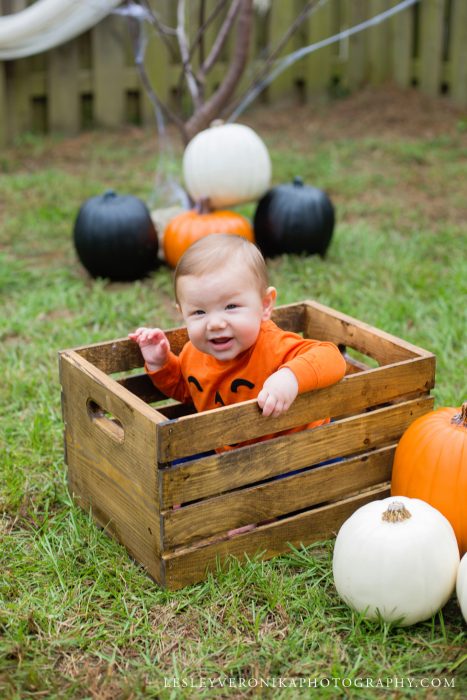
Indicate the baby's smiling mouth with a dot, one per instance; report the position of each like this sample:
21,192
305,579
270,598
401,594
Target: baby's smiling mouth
220,341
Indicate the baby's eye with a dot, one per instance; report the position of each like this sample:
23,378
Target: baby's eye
197,312
231,306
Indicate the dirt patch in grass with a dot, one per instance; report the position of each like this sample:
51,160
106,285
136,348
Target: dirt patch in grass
385,112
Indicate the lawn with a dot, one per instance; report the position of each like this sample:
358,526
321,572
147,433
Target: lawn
79,618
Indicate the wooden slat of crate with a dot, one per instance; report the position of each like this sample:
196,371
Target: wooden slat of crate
112,466
123,355
191,564
230,470
141,385
289,495
324,323
232,424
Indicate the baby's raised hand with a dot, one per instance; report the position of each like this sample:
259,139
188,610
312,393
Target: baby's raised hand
154,346
278,392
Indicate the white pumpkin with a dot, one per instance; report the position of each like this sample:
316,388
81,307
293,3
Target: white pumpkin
461,586
227,164
396,558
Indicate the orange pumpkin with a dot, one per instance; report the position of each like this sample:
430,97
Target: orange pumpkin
430,463
190,226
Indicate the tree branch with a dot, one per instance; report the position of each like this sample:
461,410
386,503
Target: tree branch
160,109
205,113
262,72
162,30
185,56
220,40
203,27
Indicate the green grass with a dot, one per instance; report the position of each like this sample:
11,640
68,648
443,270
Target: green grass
78,618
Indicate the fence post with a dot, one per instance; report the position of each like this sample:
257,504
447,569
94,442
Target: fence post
282,16
318,66
458,54
402,46
356,72
19,105
379,43
108,54
64,106
431,45
157,66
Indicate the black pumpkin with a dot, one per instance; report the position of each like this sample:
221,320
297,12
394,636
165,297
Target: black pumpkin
294,218
115,237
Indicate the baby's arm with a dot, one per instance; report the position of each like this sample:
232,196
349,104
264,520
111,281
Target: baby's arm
154,347
278,393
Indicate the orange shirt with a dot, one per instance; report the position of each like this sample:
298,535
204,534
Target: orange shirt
197,377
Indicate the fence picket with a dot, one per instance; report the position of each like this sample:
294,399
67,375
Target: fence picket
379,44
108,49
458,51
402,47
431,45
64,107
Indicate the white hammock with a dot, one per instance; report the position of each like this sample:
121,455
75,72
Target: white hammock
47,24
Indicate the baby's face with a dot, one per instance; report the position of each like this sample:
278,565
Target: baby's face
223,310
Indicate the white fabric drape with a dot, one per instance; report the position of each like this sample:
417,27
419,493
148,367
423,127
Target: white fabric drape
47,24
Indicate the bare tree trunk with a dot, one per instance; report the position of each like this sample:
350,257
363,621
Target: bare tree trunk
208,111
237,12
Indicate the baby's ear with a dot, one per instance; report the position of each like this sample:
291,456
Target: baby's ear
269,299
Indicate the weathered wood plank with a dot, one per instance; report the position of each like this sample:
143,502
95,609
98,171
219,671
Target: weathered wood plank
282,16
108,51
402,47
112,471
4,135
356,63
192,564
458,52
64,108
316,69
379,44
217,474
324,323
107,393
431,45
261,503
156,60
230,425
123,355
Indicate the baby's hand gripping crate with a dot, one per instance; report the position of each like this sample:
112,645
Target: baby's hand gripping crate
126,449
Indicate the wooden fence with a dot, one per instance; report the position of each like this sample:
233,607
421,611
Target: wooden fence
92,81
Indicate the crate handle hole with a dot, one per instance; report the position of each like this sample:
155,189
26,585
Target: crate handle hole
106,421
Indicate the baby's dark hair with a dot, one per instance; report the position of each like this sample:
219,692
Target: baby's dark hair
218,250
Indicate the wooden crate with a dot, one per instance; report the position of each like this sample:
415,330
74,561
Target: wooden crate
123,442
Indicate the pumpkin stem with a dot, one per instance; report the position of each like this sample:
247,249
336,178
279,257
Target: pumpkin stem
396,513
202,206
461,418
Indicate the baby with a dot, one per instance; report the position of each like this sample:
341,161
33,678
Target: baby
235,351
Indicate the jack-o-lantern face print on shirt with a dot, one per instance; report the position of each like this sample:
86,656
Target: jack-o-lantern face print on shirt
237,387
